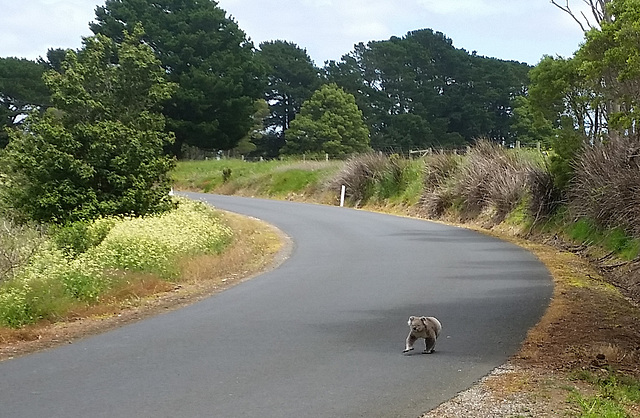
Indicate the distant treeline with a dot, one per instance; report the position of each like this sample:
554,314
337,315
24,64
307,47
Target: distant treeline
417,91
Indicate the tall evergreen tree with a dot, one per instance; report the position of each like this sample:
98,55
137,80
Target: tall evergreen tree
292,79
206,54
329,122
420,91
21,91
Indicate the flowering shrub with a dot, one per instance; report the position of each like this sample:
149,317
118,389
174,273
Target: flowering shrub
53,279
153,244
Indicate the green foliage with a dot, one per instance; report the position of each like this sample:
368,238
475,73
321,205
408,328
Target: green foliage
584,231
530,124
618,241
419,91
329,122
206,54
615,392
588,232
248,145
78,237
21,91
52,281
100,151
563,111
292,78
610,57
567,145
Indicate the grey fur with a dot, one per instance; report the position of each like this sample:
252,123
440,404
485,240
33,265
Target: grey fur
427,327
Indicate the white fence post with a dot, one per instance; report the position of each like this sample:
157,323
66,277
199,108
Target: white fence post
342,192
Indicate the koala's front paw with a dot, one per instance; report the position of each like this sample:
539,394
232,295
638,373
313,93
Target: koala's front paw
406,350
428,351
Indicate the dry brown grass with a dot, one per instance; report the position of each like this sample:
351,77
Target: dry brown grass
606,187
358,175
497,179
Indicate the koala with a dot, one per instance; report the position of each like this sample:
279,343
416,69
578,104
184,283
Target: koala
426,327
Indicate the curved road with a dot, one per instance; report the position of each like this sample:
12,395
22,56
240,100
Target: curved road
320,336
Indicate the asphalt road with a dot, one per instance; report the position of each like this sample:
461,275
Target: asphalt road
320,336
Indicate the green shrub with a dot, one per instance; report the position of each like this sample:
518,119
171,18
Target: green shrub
153,244
51,282
78,237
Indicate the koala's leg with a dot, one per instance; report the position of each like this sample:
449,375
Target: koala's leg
429,345
411,339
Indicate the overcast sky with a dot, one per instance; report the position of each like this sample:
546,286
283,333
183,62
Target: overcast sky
522,30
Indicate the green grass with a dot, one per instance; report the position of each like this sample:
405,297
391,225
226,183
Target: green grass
289,181
585,231
615,392
207,175
264,178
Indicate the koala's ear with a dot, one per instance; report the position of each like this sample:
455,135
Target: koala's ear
423,319
411,318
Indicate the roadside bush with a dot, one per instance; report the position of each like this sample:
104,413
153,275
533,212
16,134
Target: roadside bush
606,186
379,178
498,179
51,282
439,168
18,243
78,237
358,176
438,181
38,290
152,244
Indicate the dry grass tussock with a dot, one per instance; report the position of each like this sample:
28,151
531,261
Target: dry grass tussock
606,188
438,190
358,175
494,178
490,179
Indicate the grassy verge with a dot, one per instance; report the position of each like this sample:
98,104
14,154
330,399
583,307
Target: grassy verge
62,276
254,248
274,179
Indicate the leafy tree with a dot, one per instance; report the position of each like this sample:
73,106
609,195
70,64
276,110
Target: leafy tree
563,111
206,54
248,144
99,151
55,58
329,122
419,91
610,58
291,80
21,91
